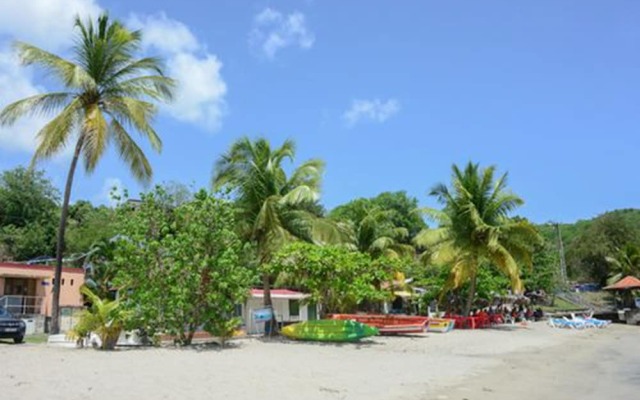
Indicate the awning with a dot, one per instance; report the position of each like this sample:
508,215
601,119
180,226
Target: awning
626,283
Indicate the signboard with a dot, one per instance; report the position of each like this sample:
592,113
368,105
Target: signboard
262,315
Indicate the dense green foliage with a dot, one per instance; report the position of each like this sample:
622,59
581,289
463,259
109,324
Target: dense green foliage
335,277
87,226
400,211
605,237
28,214
179,268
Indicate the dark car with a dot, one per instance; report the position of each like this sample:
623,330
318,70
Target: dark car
11,327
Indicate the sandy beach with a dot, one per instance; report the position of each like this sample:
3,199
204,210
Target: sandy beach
525,362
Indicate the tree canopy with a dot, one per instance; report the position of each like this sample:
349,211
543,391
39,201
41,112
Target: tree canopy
28,213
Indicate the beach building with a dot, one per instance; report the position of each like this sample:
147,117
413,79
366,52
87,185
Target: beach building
26,291
289,307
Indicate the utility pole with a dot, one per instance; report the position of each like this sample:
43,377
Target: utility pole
563,263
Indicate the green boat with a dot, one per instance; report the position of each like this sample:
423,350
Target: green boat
329,330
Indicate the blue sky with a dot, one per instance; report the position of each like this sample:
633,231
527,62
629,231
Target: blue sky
389,96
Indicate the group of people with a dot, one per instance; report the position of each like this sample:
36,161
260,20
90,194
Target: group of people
510,313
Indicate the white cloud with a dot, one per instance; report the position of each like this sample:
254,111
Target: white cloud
165,34
16,84
46,23
111,188
200,98
371,110
273,31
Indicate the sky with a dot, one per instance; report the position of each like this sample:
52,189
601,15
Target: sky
388,95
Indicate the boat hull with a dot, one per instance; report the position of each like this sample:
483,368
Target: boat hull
329,331
388,324
441,325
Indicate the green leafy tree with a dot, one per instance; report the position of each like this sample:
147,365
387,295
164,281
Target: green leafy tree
475,228
545,273
107,92
404,213
181,267
28,213
88,226
603,237
273,208
400,211
335,277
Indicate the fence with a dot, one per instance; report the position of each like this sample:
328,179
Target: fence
22,305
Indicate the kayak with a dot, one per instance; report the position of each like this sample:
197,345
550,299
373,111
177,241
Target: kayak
388,324
328,330
440,325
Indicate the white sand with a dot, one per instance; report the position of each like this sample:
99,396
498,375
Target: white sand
496,364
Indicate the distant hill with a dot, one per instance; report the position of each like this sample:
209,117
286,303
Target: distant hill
572,231
589,243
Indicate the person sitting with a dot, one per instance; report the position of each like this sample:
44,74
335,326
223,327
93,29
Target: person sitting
538,314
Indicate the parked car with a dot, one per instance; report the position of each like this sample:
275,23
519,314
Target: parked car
586,287
11,327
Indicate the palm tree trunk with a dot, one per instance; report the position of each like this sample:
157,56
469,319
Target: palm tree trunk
266,289
472,293
55,307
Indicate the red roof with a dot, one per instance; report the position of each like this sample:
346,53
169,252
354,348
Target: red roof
628,282
39,267
286,293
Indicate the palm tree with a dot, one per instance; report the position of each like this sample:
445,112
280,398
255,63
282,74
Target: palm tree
377,236
273,207
626,262
475,228
105,317
107,91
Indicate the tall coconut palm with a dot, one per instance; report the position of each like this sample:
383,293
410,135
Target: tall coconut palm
475,228
107,92
273,207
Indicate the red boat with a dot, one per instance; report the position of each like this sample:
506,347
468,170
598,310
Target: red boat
389,324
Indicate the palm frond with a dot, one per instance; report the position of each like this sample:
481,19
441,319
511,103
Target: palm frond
137,114
130,152
95,132
38,105
54,135
70,74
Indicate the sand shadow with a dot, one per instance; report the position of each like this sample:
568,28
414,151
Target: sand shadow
364,343
9,342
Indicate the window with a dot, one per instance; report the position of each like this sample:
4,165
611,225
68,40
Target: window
72,282
62,283
294,308
53,281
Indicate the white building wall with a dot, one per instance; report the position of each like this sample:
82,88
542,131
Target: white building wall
281,308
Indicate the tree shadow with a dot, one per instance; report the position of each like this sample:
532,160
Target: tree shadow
363,343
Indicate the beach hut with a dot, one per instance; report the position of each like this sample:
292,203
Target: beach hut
289,307
627,310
